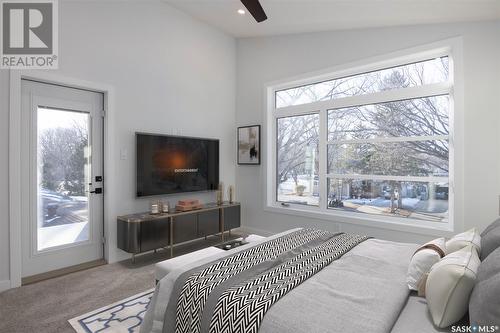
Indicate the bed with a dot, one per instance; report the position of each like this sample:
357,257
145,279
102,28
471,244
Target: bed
362,289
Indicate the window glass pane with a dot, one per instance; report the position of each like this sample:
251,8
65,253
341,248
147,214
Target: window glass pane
414,117
63,173
415,200
413,158
411,75
297,159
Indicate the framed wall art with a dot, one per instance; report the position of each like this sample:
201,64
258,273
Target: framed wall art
249,145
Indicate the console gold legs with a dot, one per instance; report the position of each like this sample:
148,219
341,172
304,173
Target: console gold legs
221,214
171,221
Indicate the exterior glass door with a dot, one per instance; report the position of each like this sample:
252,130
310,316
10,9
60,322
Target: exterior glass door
63,162
62,177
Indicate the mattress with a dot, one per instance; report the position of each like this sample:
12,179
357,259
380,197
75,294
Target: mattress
364,290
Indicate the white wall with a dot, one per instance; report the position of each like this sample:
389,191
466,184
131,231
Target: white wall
170,73
267,59
4,168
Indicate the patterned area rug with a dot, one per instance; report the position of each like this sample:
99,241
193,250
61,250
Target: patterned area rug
124,316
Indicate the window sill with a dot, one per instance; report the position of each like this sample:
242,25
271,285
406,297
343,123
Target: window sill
443,229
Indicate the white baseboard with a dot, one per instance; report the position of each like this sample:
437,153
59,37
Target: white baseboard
255,231
4,285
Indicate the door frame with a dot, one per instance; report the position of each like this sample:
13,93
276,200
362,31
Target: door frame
15,176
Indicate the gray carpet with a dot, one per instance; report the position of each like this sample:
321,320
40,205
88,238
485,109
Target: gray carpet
46,306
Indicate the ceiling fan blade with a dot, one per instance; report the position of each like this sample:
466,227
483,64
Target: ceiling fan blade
255,9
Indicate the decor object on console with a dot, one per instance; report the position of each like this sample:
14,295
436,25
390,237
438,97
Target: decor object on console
249,145
230,193
220,194
155,207
165,206
187,205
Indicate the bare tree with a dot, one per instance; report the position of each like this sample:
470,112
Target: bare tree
426,116
295,135
62,157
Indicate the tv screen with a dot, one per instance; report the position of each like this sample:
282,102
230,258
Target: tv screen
176,164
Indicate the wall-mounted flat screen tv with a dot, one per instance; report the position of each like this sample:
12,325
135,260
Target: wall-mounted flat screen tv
175,164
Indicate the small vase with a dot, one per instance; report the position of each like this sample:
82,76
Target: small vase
220,194
155,207
164,207
230,193
219,197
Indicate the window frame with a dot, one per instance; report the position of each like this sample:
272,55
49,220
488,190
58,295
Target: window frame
452,48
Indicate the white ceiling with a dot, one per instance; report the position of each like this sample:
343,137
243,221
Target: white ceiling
296,16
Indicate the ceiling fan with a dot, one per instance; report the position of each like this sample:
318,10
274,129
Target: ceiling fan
254,7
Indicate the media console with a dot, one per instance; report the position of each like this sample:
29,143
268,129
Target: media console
142,232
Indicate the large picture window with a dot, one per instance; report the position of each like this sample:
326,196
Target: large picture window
375,143
297,156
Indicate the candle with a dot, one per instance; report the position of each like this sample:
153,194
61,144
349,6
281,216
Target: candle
155,209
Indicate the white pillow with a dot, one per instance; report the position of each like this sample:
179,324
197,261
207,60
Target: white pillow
449,286
422,261
460,241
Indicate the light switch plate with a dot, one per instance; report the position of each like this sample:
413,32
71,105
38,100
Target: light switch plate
123,154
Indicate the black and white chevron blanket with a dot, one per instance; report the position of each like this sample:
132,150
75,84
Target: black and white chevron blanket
233,294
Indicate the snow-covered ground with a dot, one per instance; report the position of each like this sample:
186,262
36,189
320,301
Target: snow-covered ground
432,209
62,234
287,191
425,206
58,209
65,220
429,210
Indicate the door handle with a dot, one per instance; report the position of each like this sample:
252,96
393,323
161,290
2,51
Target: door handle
97,190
